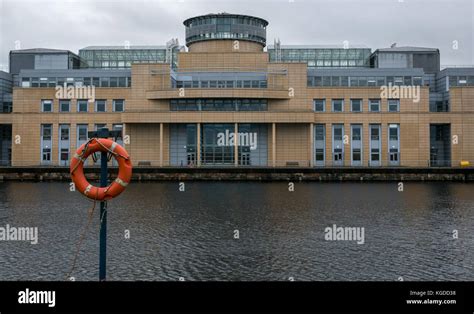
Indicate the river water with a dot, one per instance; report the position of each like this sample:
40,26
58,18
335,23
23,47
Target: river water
244,231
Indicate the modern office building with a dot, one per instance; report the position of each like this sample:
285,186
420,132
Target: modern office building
6,86
122,57
227,100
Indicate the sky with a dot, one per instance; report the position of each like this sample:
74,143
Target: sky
74,24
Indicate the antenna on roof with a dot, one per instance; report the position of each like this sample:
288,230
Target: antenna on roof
393,45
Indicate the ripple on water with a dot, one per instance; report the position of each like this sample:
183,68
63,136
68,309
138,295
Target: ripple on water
281,234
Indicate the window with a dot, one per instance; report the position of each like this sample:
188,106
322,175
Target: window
319,154
356,105
417,81
356,154
356,136
374,105
374,133
393,133
99,126
393,155
81,132
46,132
319,132
319,105
82,105
338,133
394,105
337,105
64,105
122,82
46,156
64,132
100,106
375,155
47,105
119,105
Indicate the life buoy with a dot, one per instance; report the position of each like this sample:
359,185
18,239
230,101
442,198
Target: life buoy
117,186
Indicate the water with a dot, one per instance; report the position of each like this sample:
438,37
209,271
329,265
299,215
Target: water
190,234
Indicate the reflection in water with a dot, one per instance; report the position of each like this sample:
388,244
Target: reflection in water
191,234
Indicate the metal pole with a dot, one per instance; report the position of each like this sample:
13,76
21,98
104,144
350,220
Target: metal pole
103,219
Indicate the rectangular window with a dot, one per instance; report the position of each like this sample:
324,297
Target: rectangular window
114,82
338,105
374,105
374,133
99,126
375,154
326,81
46,130
393,132
64,105
319,105
46,105
46,134
81,133
417,81
337,133
100,106
356,105
122,82
356,133
119,105
319,132
64,134
394,105
82,105
319,154
356,154
104,82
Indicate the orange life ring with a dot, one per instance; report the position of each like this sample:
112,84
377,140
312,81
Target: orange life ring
117,186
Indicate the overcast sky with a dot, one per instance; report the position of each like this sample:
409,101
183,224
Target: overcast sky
73,24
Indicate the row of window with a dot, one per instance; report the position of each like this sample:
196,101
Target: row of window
356,132
209,104
120,81
220,84
225,35
461,80
337,105
226,21
356,146
365,80
64,140
82,105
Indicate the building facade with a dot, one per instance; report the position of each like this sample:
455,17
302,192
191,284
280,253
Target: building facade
229,101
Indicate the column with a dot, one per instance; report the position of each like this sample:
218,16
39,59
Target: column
274,144
236,144
161,144
311,144
198,148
